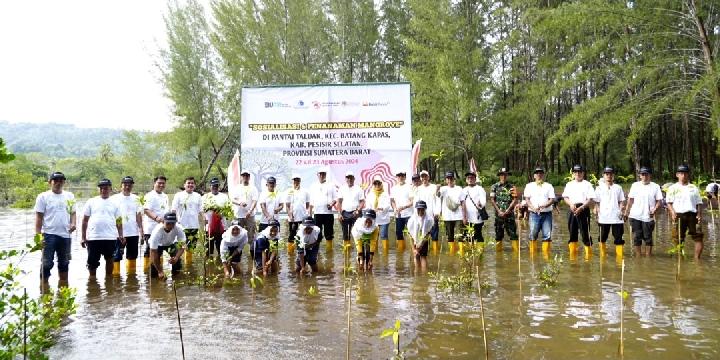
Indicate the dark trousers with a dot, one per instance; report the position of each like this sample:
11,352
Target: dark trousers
171,250
580,223
688,225
435,230
132,248
642,232
348,220
477,232
97,249
325,223
292,230
146,253
506,224
450,229
400,224
212,244
617,232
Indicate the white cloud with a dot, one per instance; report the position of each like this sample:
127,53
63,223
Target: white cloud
87,63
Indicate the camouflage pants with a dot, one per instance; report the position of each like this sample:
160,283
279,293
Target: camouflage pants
503,225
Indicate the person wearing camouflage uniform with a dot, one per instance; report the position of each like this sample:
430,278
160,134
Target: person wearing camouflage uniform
502,196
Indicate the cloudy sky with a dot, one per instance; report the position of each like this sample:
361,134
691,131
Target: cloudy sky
83,62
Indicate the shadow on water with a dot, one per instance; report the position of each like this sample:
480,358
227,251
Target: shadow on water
131,316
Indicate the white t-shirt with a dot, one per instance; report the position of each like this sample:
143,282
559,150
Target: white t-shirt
56,212
684,198
644,197
578,192
478,196
539,194
452,199
383,209
418,227
307,239
351,197
213,200
298,200
160,237
609,198
322,195
158,204
102,213
129,207
244,194
402,194
187,206
428,195
271,200
228,241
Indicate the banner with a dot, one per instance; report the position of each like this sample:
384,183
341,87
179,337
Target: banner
363,128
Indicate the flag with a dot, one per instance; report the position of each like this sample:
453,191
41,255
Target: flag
233,173
415,157
473,168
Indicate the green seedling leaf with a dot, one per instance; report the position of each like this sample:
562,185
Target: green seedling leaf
387,332
623,294
312,291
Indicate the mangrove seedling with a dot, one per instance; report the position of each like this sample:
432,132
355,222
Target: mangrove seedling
549,274
395,333
312,291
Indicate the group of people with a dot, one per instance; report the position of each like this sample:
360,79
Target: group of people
116,226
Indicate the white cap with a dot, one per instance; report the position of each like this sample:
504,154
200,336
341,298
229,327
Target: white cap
295,176
377,178
244,172
323,169
349,173
424,172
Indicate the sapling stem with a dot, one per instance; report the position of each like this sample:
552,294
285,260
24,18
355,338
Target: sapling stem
482,313
177,309
622,307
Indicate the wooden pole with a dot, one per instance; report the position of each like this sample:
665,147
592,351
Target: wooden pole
482,313
177,309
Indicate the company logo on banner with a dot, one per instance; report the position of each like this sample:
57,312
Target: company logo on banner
364,128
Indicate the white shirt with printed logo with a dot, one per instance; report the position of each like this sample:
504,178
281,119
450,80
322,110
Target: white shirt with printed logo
578,192
103,214
477,195
322,195
428,194
684,198
298,200
56,210
452,198
539,194
160,237
271,200
187,207
644,197
609,198
403,195
244,194
157,203
129,207
351,197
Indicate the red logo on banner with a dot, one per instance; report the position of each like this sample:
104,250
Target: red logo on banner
381,169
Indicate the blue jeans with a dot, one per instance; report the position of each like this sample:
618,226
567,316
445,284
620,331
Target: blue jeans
400,224
543,222
53,244
435,230
384,230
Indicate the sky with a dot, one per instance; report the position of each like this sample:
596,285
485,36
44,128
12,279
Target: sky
82,62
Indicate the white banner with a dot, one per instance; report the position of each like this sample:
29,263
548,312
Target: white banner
363,128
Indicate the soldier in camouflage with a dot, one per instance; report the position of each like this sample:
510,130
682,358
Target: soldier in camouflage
503,198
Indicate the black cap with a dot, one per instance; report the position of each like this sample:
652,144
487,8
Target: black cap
170,217
127,180
214,181
57,176
416,177
104,182
503,171
450,174
308,221
578,168
369,214
645,170
608,170
539,170
274,222
683,168
421,205
400,173
470,173
271,180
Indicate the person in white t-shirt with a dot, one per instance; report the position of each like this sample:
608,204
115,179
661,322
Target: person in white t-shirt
419,227
644,198
610,199
684,204
578,195
401,198
232,244
427,192
323,198
379,200
187,205
155,204
297,203
101,228
308,245
131,210
55,220
540,197
475,200
168,237
351,201
244,201
452,208
212,202
271,203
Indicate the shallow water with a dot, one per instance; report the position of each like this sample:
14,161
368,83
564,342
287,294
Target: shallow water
130,317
